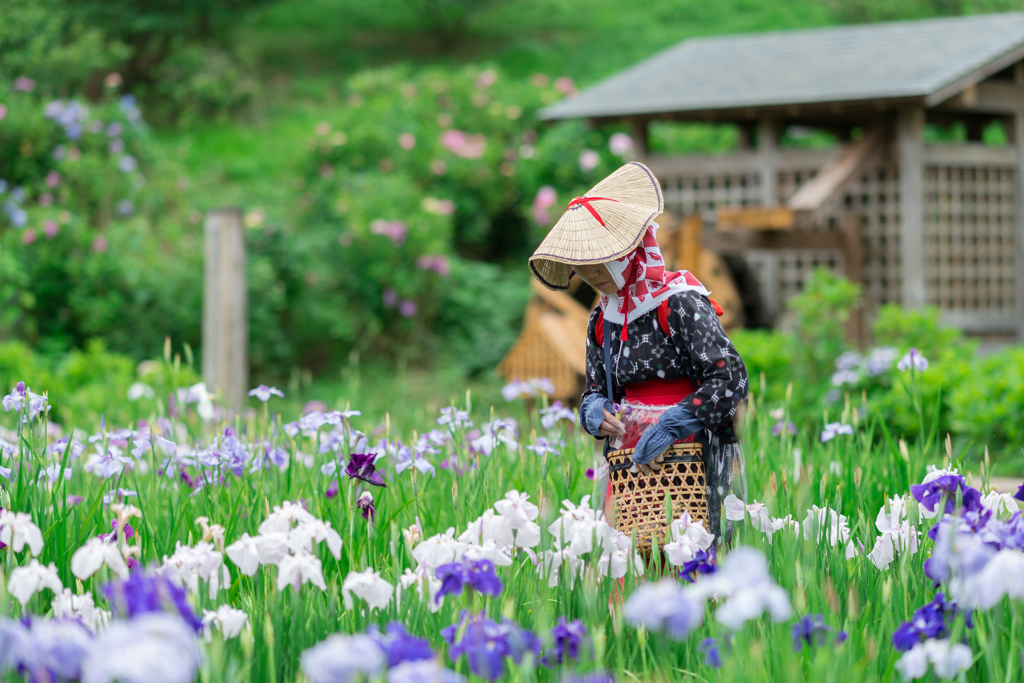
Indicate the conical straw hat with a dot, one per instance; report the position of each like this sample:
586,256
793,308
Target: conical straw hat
606,223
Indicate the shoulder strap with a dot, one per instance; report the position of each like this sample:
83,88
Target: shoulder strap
663,317
607,344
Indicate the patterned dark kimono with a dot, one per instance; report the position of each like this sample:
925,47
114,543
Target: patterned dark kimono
699,349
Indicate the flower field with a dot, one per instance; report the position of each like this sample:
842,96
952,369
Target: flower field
327,547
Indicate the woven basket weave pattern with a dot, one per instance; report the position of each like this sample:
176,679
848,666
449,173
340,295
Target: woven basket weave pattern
640,498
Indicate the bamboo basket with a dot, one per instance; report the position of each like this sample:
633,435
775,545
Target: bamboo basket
639,499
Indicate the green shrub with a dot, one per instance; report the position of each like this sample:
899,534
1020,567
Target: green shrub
84,384
918,328
987,404
768,356
93,242
452,160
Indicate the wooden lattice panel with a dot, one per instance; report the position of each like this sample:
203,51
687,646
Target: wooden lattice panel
971,257
640,498
689,195
783,272
876,199
788,182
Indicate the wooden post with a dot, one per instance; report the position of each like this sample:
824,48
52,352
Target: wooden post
641,146
225,308
689,245
1017,133
767,160
854,262
910,148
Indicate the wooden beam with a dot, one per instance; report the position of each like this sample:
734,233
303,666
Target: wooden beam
736,162
756,218
981,322
910,152
989,97
835,176
975,77
971,154
767,153
739,241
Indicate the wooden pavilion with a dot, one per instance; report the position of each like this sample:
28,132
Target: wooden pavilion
939,224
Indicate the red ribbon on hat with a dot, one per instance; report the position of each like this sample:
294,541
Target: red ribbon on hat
585,201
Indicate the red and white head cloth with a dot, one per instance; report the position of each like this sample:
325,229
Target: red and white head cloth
643,282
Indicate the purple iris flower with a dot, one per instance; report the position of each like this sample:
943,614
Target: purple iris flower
712,653
781,427
947,485
486,644
145,592
55,650
568,638
811,631
931,621
365,505
1003,535
593,677
17,398
702,563
332,489
399,646
360,466
1020,493
477,574
129,532
191,482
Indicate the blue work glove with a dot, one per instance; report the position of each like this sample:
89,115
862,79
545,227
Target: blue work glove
592,412
675,424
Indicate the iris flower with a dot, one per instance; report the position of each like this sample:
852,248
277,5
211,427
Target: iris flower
400,646
361,466
568,639
478,575
263,392
365,505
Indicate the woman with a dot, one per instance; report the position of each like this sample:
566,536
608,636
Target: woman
672,356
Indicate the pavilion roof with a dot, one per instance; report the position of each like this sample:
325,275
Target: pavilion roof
929,60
